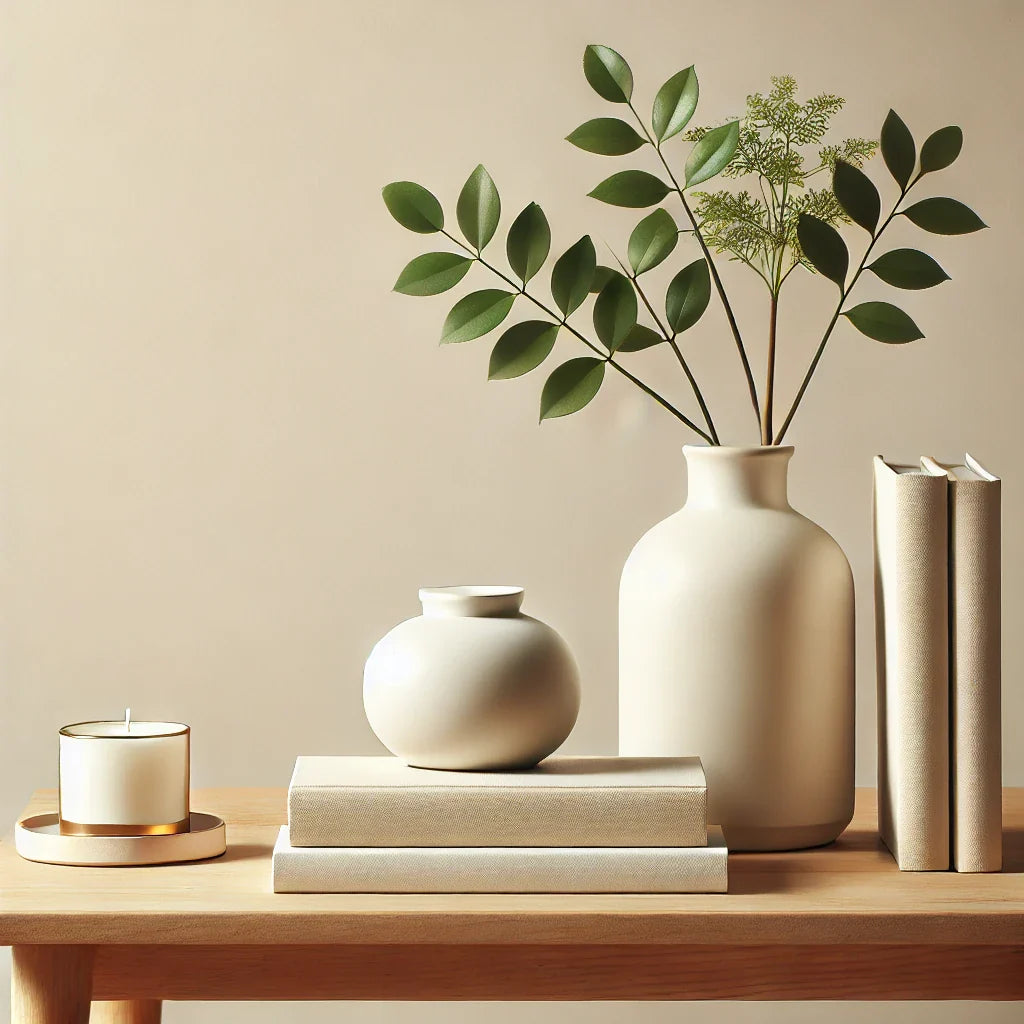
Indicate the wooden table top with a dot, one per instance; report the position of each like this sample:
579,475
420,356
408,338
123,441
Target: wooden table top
850,892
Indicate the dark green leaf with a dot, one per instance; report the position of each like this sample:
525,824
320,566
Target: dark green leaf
712,154
608,73
432,273
824,248
652,241
607,136
943,216
522,348
572,274
635,189
602,275
908,268
479,208
883,322
675,103
941,148
615,312
640,338
857,195
476,314
898,150
688,296
529,242
571,386
413,207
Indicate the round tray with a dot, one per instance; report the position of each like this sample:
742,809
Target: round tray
38,838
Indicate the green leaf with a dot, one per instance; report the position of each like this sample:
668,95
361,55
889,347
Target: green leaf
688,296
572,274
607,136
602,275
476,314
571,386
857,195
640,338
479,208
432,273
675,103
413,207
941,148
908,268
528,243
824,248
615,312
898,150
522,348
608,73
652,241
883,322
635,189
944,216
712,154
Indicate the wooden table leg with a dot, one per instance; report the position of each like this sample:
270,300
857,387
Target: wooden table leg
126,1011
51,984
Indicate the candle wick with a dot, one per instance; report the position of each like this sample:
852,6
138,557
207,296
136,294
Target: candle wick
127,719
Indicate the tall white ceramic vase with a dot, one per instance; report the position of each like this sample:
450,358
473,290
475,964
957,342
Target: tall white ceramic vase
736,644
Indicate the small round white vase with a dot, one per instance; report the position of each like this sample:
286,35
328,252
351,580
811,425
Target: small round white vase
736,643
472,683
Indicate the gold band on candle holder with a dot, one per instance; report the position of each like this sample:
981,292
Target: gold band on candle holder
74,828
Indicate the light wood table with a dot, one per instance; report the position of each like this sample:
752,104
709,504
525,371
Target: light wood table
835,923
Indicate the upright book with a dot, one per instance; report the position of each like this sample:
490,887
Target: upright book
911,626
501,869
974,671
564,801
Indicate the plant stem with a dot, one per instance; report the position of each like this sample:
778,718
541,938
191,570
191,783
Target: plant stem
563,322
778,256
719,287
671,339
769,384
843,296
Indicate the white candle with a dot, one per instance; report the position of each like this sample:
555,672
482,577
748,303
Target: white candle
124,778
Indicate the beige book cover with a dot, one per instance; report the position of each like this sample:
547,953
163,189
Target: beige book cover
564,801
501,869
911,635
975,664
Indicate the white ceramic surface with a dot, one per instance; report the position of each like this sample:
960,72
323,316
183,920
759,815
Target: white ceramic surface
471,684
736,644
38,838
124,773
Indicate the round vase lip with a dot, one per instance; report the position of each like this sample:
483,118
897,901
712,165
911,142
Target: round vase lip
726,451
471,601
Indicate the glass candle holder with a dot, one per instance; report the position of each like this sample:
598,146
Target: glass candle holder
124,778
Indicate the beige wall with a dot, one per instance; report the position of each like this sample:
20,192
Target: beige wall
229,454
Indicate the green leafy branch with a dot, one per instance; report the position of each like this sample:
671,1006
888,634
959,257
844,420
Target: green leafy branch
901,268
611,78
523,347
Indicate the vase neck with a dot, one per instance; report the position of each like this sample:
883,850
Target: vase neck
471,602
720,477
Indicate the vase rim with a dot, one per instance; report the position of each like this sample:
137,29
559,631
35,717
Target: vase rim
472,600
725,451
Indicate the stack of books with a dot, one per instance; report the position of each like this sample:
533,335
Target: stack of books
570,825
937,612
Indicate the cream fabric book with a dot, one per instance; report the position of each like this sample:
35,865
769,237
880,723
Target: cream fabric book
501,869
911,635
974,671
564,801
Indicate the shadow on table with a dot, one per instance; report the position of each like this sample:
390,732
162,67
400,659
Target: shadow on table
1013,850
246,851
